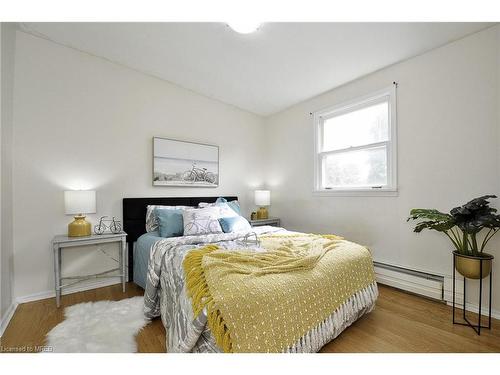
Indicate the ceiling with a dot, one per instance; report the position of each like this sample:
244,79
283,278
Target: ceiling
265,72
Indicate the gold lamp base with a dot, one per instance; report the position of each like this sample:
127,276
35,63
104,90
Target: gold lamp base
262,213
79,227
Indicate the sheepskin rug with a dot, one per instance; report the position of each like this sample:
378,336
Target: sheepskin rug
99,327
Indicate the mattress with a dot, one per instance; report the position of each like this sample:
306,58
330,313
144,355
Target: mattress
141,256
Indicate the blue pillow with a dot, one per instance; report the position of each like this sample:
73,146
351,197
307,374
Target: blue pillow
234,224
170,222
234,205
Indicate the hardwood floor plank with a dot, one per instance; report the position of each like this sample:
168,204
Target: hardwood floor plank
401,322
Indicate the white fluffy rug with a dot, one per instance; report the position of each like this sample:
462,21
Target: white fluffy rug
99,327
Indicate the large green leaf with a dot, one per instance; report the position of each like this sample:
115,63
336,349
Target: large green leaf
440,226
433,219
430,214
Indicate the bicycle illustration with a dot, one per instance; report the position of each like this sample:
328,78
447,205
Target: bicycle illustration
205,225
199,174
114,226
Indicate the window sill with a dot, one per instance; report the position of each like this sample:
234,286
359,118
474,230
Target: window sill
356,193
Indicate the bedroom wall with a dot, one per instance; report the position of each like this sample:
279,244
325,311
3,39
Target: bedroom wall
448,142
83,122
7,43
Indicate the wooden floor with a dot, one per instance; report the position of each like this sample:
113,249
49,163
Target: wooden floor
400,323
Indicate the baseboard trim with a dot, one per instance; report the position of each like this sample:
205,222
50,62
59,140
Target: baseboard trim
429,288
475,309
69,290
411,283
4,322
471,296
472,307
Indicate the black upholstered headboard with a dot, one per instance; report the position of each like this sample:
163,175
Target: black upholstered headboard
134,217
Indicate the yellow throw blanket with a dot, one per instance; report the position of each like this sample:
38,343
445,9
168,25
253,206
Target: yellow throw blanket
266,301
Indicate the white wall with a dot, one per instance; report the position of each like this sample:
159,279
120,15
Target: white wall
82,122
448,142
7,37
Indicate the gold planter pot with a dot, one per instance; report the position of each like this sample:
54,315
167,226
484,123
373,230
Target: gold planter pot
470,266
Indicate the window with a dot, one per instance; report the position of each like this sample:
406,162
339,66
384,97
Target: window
356,146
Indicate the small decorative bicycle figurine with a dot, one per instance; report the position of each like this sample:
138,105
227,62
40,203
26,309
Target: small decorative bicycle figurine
114,226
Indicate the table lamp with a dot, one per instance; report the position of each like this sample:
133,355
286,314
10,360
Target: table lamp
78,203
262,199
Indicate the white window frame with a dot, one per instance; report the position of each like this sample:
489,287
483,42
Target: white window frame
319,118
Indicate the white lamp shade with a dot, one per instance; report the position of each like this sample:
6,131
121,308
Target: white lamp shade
79,202
262,198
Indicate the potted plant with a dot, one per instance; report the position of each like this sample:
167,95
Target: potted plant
462,226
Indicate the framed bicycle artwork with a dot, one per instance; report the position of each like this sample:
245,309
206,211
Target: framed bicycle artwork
181,163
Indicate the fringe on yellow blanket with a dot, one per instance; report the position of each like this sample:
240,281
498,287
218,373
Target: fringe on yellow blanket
279,260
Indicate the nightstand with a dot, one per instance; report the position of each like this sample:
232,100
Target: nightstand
62,241
273,221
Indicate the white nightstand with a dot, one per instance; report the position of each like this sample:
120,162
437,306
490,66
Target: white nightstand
62,241
273,221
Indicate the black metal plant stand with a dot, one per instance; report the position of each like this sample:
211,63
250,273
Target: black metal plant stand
476,328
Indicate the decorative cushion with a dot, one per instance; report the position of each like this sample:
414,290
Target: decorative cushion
226,211
170,222
204,220
234,205
151,220
234,224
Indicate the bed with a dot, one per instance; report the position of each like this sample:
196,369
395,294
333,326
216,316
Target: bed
139,241
284,292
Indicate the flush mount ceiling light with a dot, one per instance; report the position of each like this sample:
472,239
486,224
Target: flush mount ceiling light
244,27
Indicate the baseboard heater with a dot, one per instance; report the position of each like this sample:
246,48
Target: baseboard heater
418,282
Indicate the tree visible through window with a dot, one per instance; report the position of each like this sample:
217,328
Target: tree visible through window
355,145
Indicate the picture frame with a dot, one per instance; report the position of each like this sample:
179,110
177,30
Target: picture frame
184,164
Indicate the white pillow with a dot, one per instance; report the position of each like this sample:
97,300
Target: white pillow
234,205
225,210
204,220
151,220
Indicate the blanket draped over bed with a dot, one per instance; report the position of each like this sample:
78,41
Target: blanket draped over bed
267,301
